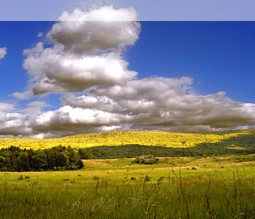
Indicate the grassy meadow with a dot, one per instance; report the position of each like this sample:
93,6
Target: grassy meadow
183,187
197,176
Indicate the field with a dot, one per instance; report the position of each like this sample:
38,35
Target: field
197,176
183,187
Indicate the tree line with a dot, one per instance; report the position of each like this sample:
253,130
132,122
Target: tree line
56,158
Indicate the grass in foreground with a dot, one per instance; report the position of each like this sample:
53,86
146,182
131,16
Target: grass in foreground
221,187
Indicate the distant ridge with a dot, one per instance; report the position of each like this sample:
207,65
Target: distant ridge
119,138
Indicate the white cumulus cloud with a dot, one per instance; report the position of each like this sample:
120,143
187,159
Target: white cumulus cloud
96,30
6,107
18,122
53,71
3,52
68,120
86,51
168,104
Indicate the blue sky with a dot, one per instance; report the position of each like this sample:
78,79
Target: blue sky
17,36
218,55
58,79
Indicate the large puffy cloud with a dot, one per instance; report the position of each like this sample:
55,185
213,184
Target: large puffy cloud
5,108
18,122
86,51
54,71
3,52
147,104
100,29
69,120
15,124
11,122
169,104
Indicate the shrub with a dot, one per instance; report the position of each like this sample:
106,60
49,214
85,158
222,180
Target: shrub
146,159
96,178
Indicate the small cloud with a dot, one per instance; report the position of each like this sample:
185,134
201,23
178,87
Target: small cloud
40,34
23,95
3,52
34,108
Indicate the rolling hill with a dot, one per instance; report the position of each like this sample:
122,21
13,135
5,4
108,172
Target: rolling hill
146,138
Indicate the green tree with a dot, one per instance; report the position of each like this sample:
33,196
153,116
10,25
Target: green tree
39,160
22,162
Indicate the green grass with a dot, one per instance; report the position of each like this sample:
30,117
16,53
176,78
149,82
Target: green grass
197,176
184,187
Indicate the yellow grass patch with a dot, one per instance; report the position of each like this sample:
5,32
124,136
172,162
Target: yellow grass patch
118,138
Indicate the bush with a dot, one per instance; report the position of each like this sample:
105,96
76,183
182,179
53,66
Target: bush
146,159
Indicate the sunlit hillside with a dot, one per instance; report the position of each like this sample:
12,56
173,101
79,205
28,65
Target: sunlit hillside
118,138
